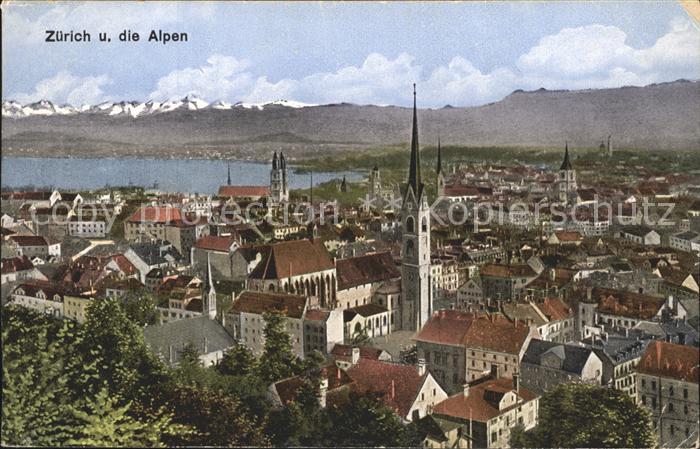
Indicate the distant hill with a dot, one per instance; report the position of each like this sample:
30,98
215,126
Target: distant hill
659,116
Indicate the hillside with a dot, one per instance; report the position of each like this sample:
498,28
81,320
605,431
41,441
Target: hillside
661,116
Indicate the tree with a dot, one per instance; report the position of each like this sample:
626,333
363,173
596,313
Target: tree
238,360
105,424
141,309
580,415
110,337
277,361
363,421
35,387
360,336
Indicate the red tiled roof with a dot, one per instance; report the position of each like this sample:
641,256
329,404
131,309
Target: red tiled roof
478,405
344,352
214,243
156,214
397,385
261,302
671,360
317,314
568,236
497,333
49,288
337,378
448,327
554,309
29,240
244,191
292,258
627,304
16,264
366,269
497,270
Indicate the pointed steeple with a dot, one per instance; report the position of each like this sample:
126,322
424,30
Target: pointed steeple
228,179
439,157
414,180
283,161
566,164
275,161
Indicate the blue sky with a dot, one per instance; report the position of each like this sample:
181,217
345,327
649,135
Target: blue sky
459,53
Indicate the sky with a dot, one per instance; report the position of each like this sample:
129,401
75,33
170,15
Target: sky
462,54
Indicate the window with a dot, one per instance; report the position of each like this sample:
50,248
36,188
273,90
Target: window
670,407
653,385
670,391
685,393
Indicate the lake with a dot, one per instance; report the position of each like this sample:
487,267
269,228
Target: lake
179,175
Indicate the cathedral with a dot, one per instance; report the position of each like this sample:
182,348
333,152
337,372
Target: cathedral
279,187
416,298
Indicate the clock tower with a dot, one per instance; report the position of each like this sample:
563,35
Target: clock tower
416,300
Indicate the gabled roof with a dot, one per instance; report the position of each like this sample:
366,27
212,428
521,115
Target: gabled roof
16,264
398,385
344,352
671,360
161,337
248,301
628,304
155,214
554,309
244,191
367,310
574,358
505,271
447,327
29,240
478,405
496,333
292,258
366,269
215,243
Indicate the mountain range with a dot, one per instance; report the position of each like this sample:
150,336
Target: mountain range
658,117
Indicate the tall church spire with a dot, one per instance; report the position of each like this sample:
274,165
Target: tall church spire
414,180
228,179
566,164
439,157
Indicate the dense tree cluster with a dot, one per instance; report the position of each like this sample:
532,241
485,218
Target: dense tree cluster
580,415
99,385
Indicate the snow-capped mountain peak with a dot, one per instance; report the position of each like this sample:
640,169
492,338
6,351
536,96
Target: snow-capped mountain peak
134,109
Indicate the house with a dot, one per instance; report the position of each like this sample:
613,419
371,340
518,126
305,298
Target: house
155,254
207,336
32,246
667,384
149,222
359,277
441,433
641,235
19,269
44,297
411,392
547,364
346,355
184,233
565,238
686,241
75,306
300,267
488,411
323,330
246,323
244,193
470,294
228,258
335,385
505,282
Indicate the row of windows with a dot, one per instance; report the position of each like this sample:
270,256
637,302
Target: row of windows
670,388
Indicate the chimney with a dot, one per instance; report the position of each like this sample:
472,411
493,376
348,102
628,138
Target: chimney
670,303
170,354
393,389
589,292
465,389
355,355
206,345
516,382
323,390
421,367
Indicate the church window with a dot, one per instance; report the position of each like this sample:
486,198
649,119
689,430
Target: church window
424,224
410,226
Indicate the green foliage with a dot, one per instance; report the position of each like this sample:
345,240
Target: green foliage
277,361
363,421
141,309
237,361
579,415
360,338
109,336
105,424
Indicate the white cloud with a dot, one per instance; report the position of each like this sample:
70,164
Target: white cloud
222,77
67,88
592,56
